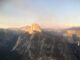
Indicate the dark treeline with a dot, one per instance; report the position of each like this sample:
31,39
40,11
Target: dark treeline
17,45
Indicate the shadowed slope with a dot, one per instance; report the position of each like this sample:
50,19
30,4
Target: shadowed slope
45,45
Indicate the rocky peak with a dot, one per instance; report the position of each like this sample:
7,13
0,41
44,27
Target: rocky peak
32,28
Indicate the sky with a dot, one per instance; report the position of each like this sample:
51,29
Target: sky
48,13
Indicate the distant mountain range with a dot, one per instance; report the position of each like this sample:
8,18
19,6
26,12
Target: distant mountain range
73,28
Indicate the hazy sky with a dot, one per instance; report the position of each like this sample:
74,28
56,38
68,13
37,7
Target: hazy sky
46,12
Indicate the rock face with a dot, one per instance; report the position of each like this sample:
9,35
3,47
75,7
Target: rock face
40,45
32,28
43,46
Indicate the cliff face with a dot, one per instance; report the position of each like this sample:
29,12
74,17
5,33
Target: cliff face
32,28
40,45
